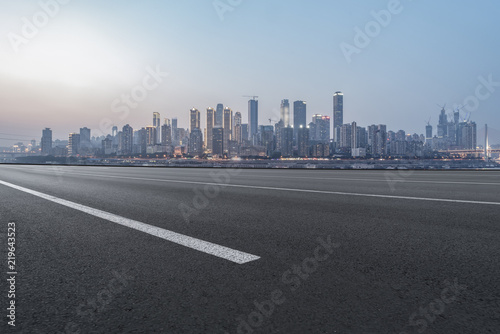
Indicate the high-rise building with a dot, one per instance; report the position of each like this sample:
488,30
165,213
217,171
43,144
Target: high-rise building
303,141
237,128
194,119
175,132
253,118
85,138
442,128
338,115
151,135
228,126
286,141
468,136
74,144
166,133
196,142
299,116
428,132
377,139
218,141
210,126
114,131
46,141
127,139
345,137
244,133
218,115
285,112
157,125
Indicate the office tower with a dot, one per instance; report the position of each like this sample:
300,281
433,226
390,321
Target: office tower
345,136
244,133
237,128
228,125
428,132
166,134
299,116
303,141
196,142
157,125
175,133
323,129
253,119
469,136
74,144
218,141
194,119
338,114
143,140
443,124
114,130
84,137
377,139
218,115
286,139
266,138
150,135
210,126
354,135
46,141
285,112
127,140
361,137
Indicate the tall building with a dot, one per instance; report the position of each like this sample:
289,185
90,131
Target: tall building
228,126
299,116
442,128
166,133
218,141
218,115
237,128
157,125
151,135
428,132
345,137
253,118
468,136
175,132
195,119
377,139
127,139
303,141
196,142
244,133
114,130
85,138
338,115
210,126
46,142
74,144
286,145
285,112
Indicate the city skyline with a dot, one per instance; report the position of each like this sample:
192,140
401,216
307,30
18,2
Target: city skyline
76,69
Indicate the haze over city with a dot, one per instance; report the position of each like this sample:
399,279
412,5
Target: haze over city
68,74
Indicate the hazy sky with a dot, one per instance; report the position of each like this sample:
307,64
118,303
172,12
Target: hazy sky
68,72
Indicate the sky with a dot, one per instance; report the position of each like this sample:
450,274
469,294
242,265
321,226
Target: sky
67,64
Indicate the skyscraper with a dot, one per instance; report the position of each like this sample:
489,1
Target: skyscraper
210,126
285,112
303,141
286,141
218,115
299,116
228,126
85,138
156,124
196,142
166,134
175,133
237,128
46,141
338,114
74,144
127,139
253,118
218,141
151,135
194,119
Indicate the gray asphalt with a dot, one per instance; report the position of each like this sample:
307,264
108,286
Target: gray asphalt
396,263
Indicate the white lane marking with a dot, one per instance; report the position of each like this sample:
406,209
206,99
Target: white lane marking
184,240
297,190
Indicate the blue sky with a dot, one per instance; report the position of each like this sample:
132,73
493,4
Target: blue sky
91,52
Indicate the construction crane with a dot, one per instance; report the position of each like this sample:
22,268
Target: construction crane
429,121
252,96
272,120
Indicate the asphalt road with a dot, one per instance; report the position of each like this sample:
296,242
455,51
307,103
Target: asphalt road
155,250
